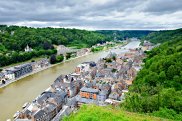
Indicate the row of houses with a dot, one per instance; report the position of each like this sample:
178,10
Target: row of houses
99,83
16,72
48,104
118,75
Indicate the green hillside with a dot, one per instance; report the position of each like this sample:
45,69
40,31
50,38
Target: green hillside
120,35
163,36
157,88
156,91
96,113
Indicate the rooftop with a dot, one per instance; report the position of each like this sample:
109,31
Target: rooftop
85,89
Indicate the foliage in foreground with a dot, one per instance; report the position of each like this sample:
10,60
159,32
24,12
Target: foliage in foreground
163,36
157,88
96,113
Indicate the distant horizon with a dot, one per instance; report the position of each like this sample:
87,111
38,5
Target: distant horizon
93,14
93,29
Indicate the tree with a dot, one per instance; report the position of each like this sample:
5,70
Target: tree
114,57
162,76
59,58
108,60
171,72
53,59
68,55
47,45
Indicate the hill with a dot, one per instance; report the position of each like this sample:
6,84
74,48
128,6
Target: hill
157,88
96,113
163,36
14,39
120,35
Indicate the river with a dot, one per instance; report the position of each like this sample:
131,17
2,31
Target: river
13,96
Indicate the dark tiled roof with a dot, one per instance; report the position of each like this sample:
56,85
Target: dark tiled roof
85,89
39,114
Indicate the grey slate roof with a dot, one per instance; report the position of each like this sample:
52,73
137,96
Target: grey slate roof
39,114
85,100
85,89
1,75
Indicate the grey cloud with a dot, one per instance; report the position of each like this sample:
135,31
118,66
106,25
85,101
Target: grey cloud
102,14
163,6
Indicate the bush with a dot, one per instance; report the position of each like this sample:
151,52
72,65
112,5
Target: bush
59,58
167,113
53,59
108,60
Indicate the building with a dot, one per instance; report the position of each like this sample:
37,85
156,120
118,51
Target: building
61,49
104,91
2,78
45,107
9,75
18,71
40,64
28,49
85,66
83,51
89,93
102,96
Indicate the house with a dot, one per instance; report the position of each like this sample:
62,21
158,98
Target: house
40,64
89,93
111,54
9,75
114,96
2,78
19,71
102,96
83,51
40,115
87,96
68,84
85,66
45,107
61,49
51,110
32,112
72,103
147,43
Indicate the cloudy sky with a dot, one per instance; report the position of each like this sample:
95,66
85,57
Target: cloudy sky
93,14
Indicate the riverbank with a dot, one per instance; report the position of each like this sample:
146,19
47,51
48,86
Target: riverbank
108,47
37,71
42,69
55,88
25,90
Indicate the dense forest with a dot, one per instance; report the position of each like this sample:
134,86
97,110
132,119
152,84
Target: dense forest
14,39
120,35
157,88
163,35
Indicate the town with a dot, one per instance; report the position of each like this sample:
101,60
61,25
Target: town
15,73
101,83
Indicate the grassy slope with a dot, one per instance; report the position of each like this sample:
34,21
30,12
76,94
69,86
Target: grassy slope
163,36
96,113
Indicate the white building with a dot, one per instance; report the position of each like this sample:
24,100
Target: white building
28,49
2,78
82,67
9,75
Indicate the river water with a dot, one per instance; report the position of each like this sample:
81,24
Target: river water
13,96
